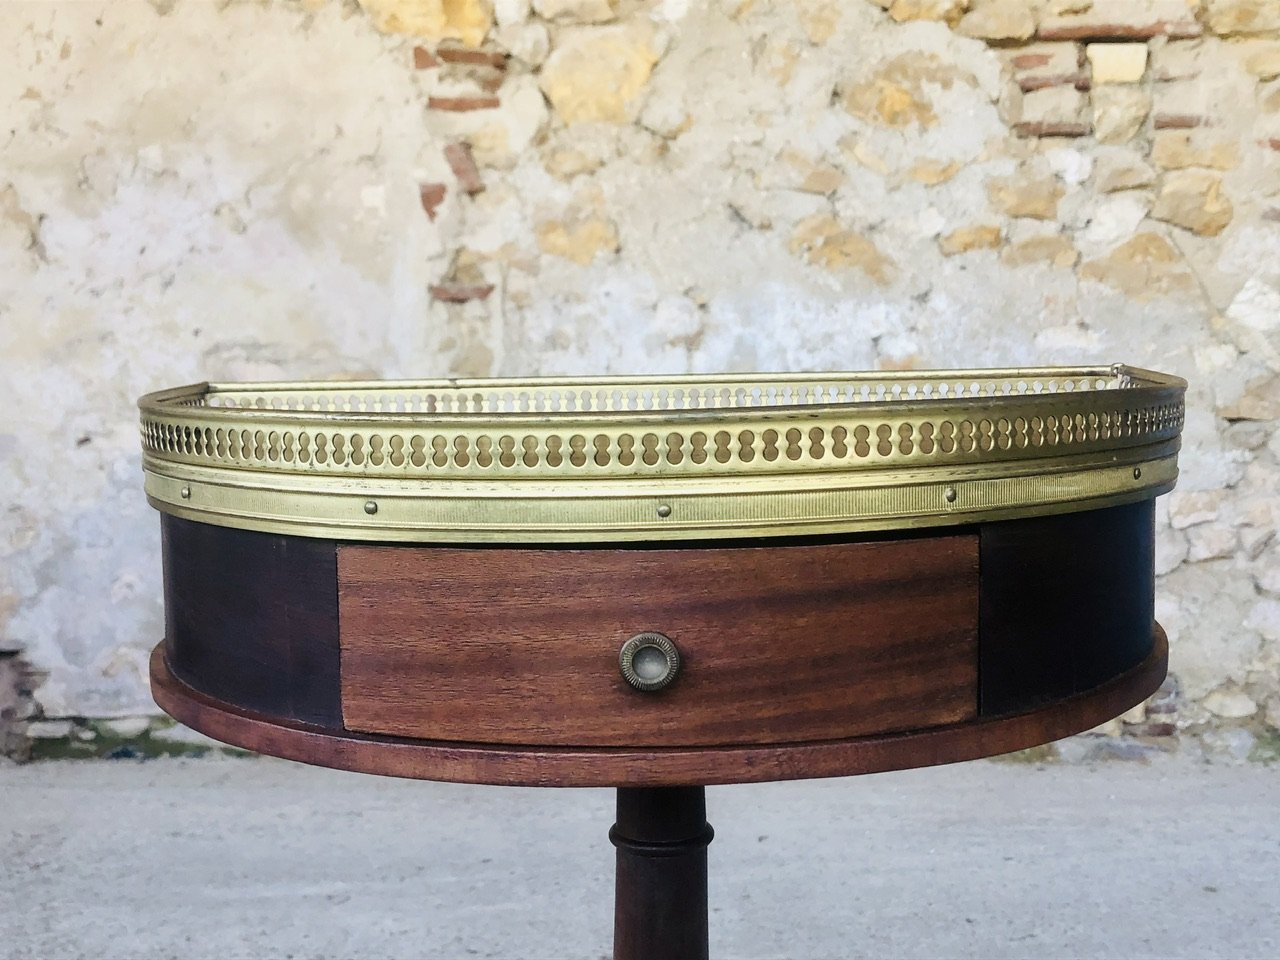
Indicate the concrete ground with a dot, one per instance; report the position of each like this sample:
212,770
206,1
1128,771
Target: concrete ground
227,858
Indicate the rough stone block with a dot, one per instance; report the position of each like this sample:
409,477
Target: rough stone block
1177,60
1123,20
1177,149
1190,507
1211,541
49,729
1230,703
999,20
982,237
1053,109
1119,113
1257,306
1143,267
509,12
824,242
1181,105
579,241
1117,169
1262,58
465,20
598,73
1026,196
1193,200
527,42
949,11
901,91
1048,249
1117,62
1229,17
576,11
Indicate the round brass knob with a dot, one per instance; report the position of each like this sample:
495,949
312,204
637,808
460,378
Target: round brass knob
649,661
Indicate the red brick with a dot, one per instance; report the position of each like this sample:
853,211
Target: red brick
1179,121
480,58
1048,65
1063,129
1078,80
1154,728
463,165
463,104
452,292
423,60
1027,61
1175,30
432,195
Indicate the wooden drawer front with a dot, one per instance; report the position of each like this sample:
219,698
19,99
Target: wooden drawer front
779,644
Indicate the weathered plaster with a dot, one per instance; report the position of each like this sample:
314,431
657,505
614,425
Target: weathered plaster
414,187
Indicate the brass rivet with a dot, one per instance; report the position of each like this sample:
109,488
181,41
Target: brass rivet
186,493
1137,473
371,507
664,510
949,494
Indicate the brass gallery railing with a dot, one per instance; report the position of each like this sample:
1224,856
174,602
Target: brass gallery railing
616,459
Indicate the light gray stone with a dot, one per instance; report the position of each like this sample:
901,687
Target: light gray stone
126,727
1257,306
1190,507
49,729
1210,541
1230,703
1233,744
1171,549
1119,112
1201,606
1264,616
179,733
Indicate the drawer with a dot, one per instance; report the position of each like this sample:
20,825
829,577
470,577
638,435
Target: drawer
777,644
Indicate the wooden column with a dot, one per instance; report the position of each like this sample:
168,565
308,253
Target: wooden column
660,908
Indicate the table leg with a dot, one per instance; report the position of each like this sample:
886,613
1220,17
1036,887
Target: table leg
660,903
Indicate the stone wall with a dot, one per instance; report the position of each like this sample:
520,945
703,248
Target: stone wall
419,187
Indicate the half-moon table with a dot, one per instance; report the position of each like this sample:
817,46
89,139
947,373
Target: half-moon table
658,585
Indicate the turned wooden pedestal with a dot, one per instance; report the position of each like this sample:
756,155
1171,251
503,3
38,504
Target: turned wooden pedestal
799,658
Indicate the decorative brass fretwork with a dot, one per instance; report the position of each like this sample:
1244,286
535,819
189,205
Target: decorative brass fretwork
684,457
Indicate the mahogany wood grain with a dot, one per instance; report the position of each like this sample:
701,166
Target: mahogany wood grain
677,766
660,892
779,644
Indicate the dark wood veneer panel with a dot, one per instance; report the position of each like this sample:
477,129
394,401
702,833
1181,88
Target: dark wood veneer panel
780,644
252,618
1067,603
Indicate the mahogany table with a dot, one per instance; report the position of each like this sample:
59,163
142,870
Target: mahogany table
660,585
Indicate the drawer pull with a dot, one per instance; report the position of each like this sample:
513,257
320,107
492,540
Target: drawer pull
649,661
